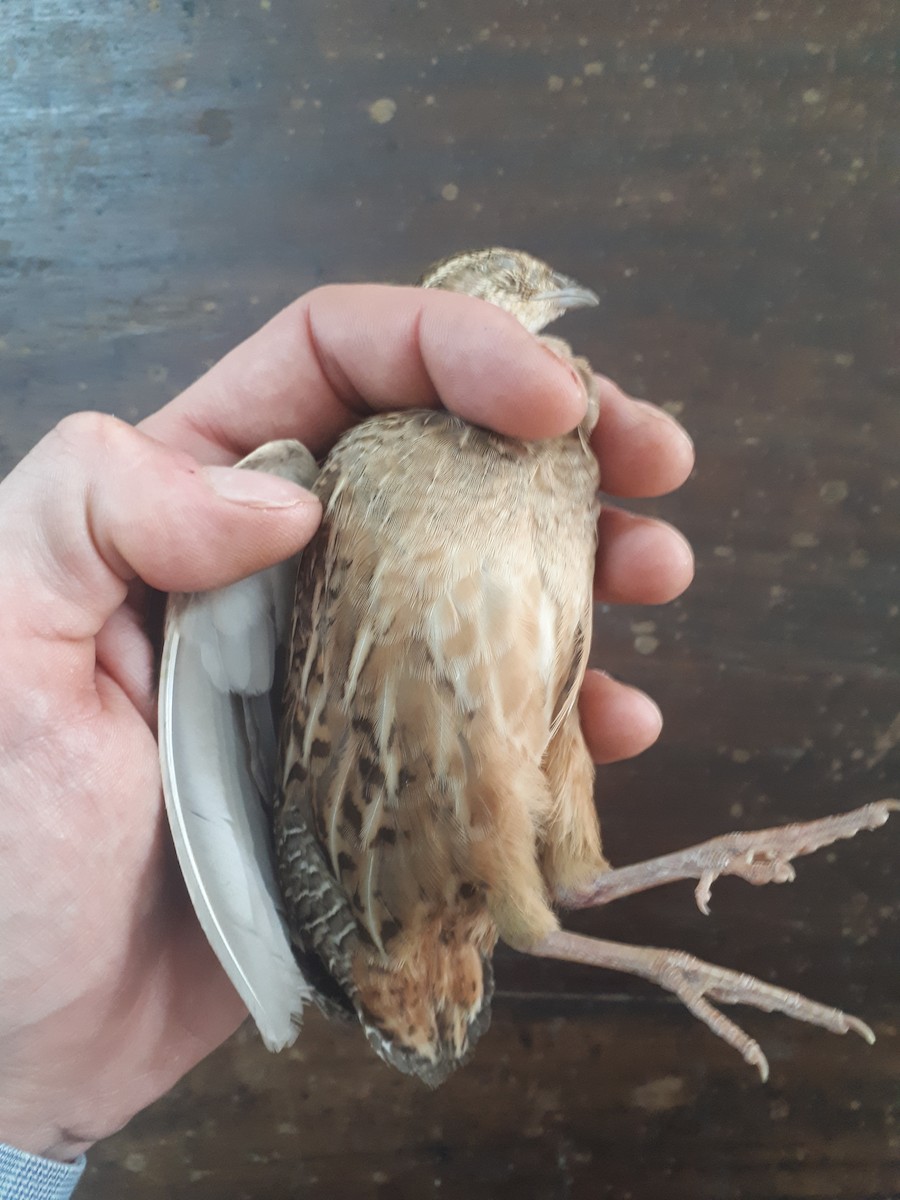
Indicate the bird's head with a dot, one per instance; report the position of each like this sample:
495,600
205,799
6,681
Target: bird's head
513,280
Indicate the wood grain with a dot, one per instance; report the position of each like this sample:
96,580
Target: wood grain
621,1102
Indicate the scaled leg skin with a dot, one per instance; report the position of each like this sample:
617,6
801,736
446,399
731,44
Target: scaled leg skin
760,856
696,983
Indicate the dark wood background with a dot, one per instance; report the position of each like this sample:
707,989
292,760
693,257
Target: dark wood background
727,174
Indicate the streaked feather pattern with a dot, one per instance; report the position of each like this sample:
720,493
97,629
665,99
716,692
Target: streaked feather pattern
440,636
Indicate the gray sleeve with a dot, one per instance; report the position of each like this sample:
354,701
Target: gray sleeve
25,1176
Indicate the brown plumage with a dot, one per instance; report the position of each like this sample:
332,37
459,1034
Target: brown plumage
441,635
436,792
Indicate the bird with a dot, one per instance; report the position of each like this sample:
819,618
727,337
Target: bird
418,784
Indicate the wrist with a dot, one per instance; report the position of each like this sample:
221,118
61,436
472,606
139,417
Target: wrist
25,1128
58,1145
33,1112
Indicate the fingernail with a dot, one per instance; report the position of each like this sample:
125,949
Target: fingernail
654,712
565,361
661,415
255,489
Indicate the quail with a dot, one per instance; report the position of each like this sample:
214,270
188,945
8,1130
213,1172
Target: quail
421,788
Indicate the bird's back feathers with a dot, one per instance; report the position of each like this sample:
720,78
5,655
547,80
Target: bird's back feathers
441,627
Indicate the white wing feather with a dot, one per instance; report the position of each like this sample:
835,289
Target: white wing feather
217,744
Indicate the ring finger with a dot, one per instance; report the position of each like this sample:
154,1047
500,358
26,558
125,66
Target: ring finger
640,560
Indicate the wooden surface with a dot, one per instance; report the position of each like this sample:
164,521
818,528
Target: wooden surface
728,176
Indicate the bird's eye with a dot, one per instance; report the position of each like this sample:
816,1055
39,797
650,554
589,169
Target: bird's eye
504,267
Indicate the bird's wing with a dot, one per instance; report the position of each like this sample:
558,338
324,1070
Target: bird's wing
217,742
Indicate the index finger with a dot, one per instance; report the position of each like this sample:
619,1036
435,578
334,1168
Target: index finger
345,351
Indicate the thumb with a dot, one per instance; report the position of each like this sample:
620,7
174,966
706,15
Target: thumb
97,503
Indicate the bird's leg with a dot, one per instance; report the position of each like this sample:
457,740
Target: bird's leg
760,856
696,984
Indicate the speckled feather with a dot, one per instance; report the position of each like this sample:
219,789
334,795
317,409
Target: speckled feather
440,637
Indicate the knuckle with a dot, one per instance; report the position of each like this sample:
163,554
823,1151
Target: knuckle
91,430
327,298
326,291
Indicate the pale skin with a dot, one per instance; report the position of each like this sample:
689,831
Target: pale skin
108,990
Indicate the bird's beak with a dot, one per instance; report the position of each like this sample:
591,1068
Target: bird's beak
568,294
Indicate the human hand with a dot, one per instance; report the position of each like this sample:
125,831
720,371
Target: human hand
108,989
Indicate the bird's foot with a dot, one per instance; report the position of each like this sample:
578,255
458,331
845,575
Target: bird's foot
697,983
760,856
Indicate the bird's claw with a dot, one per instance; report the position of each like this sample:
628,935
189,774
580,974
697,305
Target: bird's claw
757,866
700,986
697,984
764,856
759,857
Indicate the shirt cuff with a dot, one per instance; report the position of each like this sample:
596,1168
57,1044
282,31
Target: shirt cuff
25,1176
